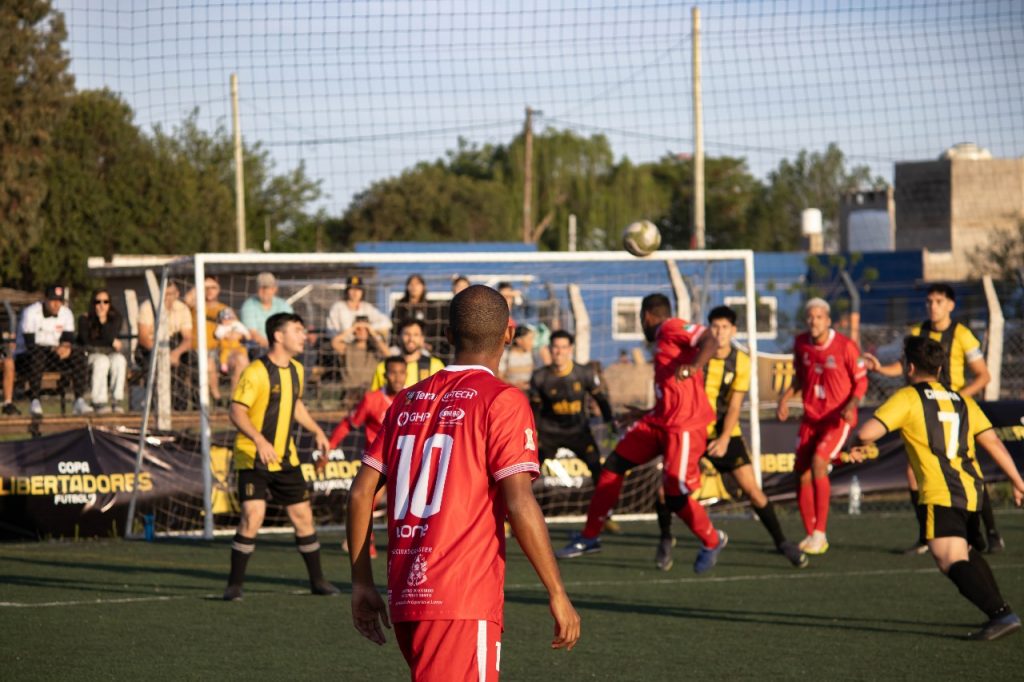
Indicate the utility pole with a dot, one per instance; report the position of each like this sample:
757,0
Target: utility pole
236,127
528,177
698,139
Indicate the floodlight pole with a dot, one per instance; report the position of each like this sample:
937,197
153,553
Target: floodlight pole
236,128
698,139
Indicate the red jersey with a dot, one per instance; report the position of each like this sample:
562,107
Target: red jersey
829,374
369,412
447,442
681,404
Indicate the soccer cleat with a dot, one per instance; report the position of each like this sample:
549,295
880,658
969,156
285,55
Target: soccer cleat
322,588
35,408
578,546
996,628
663,557
818,544
612,526
10,409
916,549
793,554
802,545
707,558
995,542
233,593
81,407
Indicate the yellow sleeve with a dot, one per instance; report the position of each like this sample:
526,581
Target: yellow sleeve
915,330
978,420
253,378
378,378
968,343
302,378
894,412
436,365
741,384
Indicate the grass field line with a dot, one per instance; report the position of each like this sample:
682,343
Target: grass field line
794,575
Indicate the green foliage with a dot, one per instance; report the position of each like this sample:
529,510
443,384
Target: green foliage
1003,255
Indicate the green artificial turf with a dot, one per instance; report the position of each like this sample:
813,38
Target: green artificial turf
136,610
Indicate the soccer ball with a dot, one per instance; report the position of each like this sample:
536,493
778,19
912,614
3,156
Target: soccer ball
641,238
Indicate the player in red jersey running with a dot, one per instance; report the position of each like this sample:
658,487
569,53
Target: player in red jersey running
832,379
457,454
677,428
369,414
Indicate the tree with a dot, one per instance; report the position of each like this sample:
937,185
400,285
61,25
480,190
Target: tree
34,87
1003,255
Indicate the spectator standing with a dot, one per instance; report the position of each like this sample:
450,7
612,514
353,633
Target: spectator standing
47,331
256,310
98,330
343,314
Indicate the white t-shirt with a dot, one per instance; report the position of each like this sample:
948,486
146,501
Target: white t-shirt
341,317
47,330
179,317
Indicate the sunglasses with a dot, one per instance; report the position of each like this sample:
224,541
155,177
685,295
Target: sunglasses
102,301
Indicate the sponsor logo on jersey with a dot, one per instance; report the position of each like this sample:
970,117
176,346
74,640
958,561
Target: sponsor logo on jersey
451,415
412,418
830,362
419,395
459,394
727,379
529,439
418,572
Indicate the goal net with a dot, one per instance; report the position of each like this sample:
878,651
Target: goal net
594,295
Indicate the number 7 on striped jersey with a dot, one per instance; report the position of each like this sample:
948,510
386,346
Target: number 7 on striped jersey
953,442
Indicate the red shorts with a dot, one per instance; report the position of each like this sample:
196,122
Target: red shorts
444,650
823,440
682,450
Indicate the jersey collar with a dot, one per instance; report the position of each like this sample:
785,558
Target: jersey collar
467,368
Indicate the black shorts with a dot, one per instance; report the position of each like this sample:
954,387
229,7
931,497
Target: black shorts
950,522
581,443
735,456
287,487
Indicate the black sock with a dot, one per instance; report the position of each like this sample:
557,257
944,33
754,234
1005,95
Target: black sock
241,549
771,522
921,511
978,561
987,517
309,548
664,519
978,590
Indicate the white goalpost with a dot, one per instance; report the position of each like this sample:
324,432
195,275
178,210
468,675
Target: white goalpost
592,294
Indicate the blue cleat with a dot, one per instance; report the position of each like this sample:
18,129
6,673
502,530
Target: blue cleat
996,628
707,558
578,546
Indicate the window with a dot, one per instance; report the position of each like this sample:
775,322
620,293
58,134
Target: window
626,318
767,315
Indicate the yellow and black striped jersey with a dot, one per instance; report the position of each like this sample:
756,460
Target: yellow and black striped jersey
723,377
960,346
415,372
270,393
938,427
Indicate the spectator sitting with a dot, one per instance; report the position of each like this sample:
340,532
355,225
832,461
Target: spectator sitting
178,318
343,314
419,363
509,294
518,361
256,310
98,330
230,333
414,306
459,282
359,349
47,330
7,357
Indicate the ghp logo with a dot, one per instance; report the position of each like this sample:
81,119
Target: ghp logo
529,440
451,415
459,394
413,418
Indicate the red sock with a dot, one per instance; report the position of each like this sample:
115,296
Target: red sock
606,494
822,495
805,500
697,520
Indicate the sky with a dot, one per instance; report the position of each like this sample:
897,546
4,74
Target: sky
359,91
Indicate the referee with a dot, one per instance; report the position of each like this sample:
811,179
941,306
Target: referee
265,406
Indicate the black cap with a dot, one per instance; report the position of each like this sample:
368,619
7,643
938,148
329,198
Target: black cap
354,281
55,293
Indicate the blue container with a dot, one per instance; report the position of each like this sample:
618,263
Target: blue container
147,527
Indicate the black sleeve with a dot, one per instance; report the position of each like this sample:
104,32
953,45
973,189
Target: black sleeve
83,335
535,393
30,340
600,397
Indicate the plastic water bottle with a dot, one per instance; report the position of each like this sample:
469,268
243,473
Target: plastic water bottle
855,494
147,527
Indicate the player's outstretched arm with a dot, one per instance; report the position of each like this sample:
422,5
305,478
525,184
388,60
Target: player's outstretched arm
873,364
998,452
868,433
369,611
530,530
